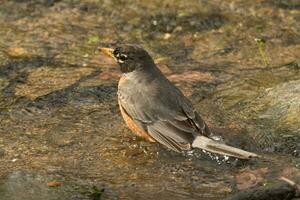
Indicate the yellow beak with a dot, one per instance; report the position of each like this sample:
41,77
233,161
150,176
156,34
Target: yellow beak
107,51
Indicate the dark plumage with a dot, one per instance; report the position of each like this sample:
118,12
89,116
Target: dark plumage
158,108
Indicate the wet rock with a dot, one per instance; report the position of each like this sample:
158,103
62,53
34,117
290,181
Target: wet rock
191,76
282,105
269,106
290,172
59,119
43,2
16,52
3,83
294,65
2,152
50,2
177,22
45,80
249,178
54,184
286,4
277,191
22,185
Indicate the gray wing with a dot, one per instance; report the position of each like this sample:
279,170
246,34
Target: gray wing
166,114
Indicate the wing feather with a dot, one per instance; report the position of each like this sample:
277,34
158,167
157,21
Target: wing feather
166,114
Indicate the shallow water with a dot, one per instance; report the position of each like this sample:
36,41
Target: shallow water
237,61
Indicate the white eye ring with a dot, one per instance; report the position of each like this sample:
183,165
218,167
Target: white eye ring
121,58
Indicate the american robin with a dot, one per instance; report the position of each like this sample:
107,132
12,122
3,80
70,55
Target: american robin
155,109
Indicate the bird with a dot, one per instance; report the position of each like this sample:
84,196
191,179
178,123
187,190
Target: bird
156,110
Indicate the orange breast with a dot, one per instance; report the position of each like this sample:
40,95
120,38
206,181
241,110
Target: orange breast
129,122
133,127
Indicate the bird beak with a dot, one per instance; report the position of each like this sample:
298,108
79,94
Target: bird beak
107,51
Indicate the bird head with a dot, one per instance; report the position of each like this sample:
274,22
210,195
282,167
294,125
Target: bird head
129,57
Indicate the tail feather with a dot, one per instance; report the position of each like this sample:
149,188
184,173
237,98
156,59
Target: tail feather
208,144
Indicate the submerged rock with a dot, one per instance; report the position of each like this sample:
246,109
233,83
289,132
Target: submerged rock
282,105
22,185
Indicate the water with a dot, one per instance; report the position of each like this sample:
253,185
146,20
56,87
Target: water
237,61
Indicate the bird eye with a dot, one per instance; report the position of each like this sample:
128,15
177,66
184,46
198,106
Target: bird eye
116,52
123,57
